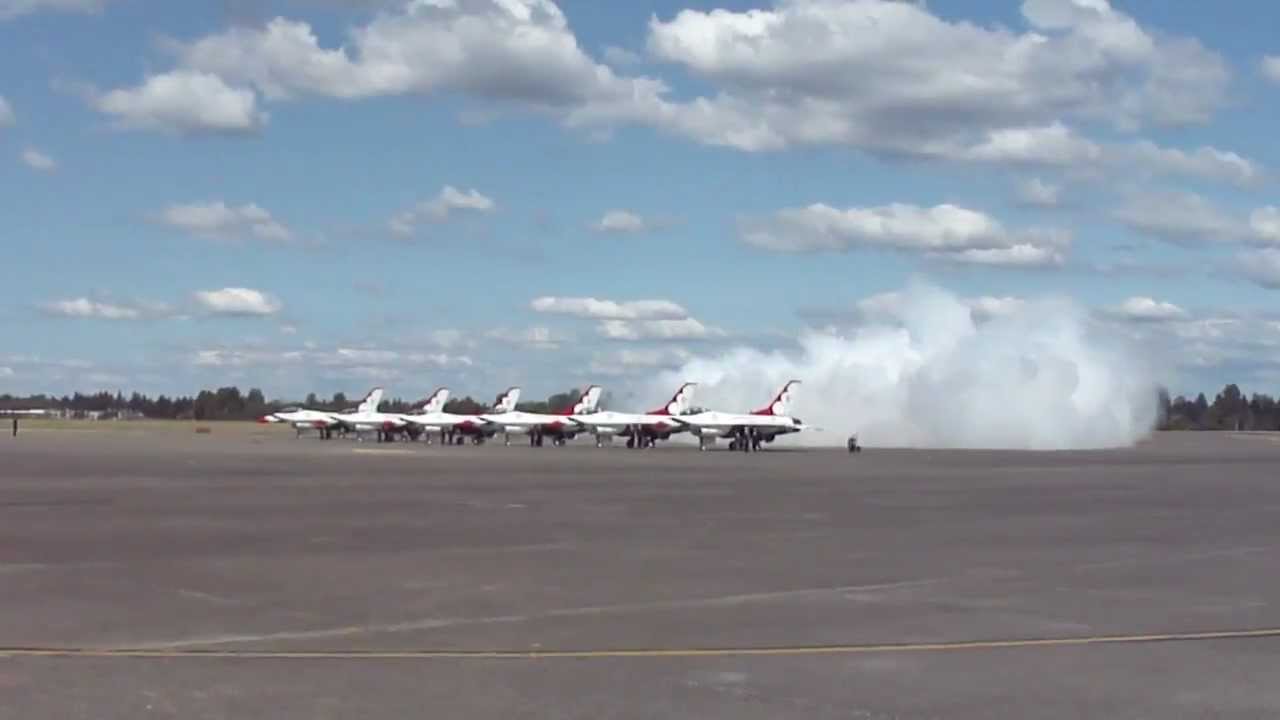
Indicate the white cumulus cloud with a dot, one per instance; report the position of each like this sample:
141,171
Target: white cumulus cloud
217,220
516,50
37,160
922,85
183,101
687,328
83,307
1038,193
946,232
1265,224
627,360
440,208
1146,309
1179,217
237,301
621,221
534,338
1271,68
894,77
1187,217
1054,144
1206,163
7,116
589,307
1262,267
10,9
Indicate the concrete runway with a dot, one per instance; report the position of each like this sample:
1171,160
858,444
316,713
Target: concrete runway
245,570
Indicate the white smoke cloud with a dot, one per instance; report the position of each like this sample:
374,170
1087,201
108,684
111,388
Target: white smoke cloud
1042,377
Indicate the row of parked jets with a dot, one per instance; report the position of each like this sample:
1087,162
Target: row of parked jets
745,431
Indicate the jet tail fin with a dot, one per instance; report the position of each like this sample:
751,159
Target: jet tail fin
587,402
435,401
506,401
678,402
371,401
781,404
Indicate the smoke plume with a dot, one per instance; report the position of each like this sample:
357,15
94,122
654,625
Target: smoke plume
1039,375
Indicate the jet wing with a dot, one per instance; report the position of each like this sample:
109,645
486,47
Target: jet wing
725,421
442,419
525,419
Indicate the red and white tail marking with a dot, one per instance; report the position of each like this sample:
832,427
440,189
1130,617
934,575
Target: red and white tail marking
781,404
371,401
506,402
678,402
435,401
587,402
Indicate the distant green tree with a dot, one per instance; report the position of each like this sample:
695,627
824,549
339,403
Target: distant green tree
465,406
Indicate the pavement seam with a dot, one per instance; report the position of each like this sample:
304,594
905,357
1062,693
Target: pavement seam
605,653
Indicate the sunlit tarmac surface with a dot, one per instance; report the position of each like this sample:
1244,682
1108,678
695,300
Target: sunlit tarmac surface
250,574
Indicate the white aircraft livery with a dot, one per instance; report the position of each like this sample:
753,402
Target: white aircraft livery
560,427
461,426
366,418
640,429
747,430
322,421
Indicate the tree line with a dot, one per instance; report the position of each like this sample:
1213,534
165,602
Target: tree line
1230,410
229,403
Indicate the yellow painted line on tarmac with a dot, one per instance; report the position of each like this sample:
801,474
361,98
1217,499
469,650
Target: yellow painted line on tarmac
688,652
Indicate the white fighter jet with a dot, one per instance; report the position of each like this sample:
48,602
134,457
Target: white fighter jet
459,427
323,422
366,418
747,430
640,429
418,422
560,426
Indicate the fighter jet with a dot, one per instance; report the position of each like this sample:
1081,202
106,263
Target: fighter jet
323,422
746,430
640,429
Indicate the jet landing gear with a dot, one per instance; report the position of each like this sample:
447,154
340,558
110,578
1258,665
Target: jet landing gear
746,440
640,441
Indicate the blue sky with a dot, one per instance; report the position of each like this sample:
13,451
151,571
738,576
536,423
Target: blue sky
327,194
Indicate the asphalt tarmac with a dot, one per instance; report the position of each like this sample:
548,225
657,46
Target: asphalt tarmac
246,574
